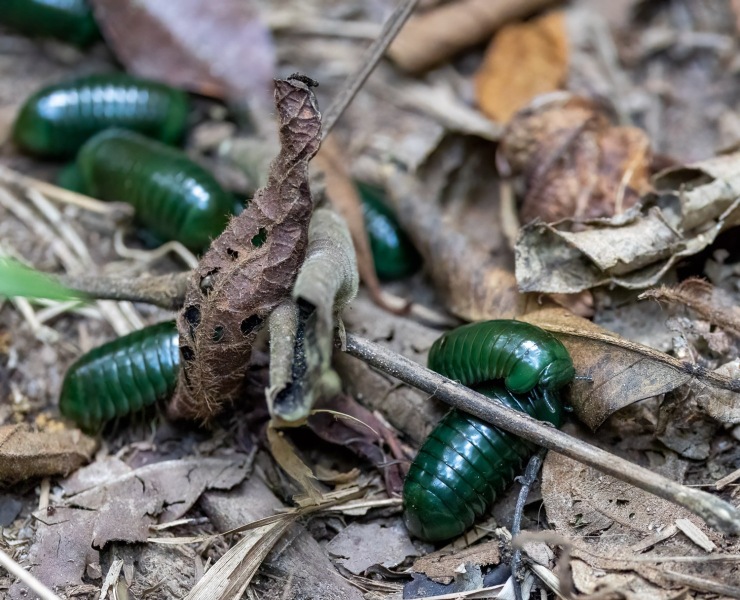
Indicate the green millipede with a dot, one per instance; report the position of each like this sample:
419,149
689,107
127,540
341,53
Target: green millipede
466,463
55,121
173,197
393,253
67,20
123,376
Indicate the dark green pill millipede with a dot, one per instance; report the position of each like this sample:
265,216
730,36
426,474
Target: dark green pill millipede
393,253
523,355
121,377
67,20
173,197
466,463
58,119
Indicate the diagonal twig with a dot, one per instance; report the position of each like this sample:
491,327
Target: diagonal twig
368,63
716,512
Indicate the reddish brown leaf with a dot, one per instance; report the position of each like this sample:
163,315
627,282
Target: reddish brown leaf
572,161
182,43
250,268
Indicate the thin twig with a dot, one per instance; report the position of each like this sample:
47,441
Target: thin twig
26,578
530,475
716,512
368,63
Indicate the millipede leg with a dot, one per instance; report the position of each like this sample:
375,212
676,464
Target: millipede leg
529,477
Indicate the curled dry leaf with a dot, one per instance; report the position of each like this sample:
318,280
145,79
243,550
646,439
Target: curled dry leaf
522,61
326,283
182,44
26,454
572,161
286,456
609,521
693,204
250,268
621,372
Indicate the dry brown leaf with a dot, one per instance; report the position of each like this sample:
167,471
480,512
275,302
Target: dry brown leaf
182,43
693,204
582,503
572,161
250,268
442,32
622,372
442,566
523,60
285,455
26,454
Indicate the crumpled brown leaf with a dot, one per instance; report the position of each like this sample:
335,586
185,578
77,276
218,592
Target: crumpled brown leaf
250,268
285,455
182,43
25,454
572,161
622,372
610,524
522,61
692,205
442,566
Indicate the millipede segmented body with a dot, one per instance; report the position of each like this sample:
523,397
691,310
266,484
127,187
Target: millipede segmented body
122,376
393,253
173,197
465,464
58,119
523,355
67,20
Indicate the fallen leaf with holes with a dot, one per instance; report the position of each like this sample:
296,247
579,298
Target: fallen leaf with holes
442,566
182,44
522,61
572,162
26,454
351,425
250,268
692,205
362,545
621,372
301,372
126,506
616,528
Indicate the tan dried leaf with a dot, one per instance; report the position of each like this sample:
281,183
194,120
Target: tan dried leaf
26,454
442,565
285,455
621,372
523,60
250,268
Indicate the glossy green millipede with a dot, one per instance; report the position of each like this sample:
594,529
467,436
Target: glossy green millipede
67,20
173,197
57,120
393,253
121,377
466,463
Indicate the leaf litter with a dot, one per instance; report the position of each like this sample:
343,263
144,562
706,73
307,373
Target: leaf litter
670,390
